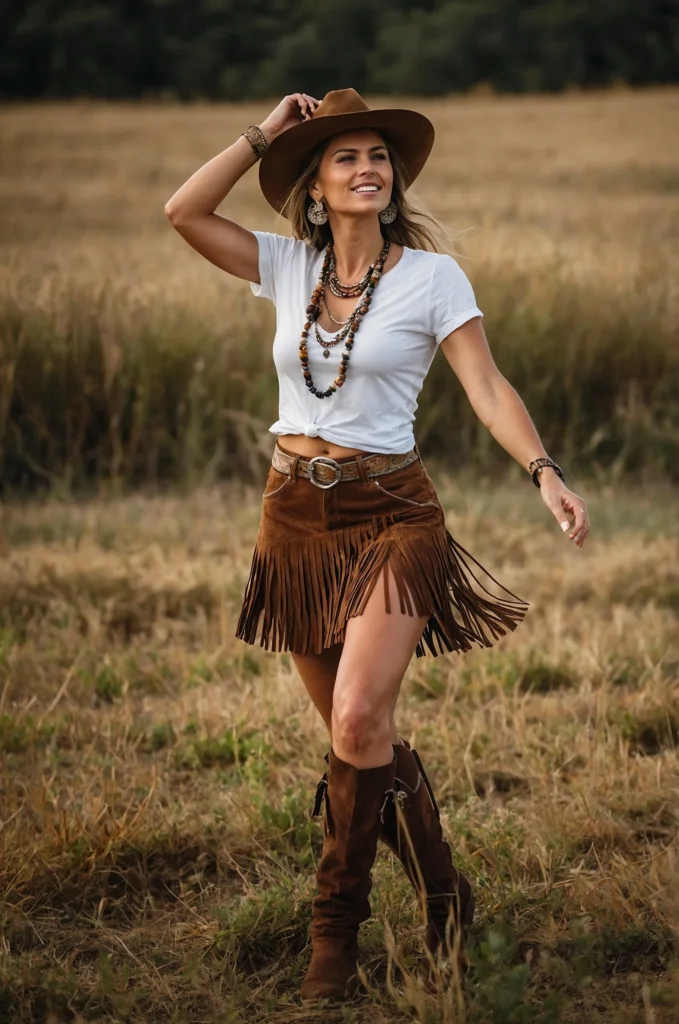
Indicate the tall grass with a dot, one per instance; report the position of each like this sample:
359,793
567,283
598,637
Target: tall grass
125,358
91,390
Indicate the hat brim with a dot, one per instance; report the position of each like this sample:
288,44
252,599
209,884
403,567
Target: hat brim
409,132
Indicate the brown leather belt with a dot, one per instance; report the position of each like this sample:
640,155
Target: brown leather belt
326,472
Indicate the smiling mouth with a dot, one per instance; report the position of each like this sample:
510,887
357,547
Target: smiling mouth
367,189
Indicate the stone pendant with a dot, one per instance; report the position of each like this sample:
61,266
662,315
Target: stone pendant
326,353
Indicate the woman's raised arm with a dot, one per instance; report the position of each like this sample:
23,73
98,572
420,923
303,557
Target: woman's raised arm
191,210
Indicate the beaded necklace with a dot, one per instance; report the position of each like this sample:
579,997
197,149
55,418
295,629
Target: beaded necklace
313,311
326,345
340,323
347,291
346,326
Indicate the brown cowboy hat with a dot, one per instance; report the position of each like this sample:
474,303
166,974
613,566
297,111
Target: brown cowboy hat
411,134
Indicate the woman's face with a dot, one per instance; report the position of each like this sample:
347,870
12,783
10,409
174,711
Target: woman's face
355,176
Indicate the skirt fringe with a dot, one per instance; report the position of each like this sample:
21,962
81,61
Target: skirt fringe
305,590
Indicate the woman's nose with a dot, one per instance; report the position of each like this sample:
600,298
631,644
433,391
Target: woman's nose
364,166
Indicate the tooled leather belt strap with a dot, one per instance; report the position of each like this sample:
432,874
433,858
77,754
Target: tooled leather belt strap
325,472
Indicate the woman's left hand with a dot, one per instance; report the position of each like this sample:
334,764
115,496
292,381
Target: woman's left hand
562,503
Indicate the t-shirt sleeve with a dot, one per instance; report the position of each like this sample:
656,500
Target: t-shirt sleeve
276,254
452,300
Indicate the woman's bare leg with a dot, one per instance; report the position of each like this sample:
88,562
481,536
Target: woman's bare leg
378,646
318,673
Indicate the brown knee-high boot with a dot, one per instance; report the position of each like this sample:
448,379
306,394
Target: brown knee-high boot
355,804
416,837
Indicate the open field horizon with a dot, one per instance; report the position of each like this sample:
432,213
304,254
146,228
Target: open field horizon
156,774
563,210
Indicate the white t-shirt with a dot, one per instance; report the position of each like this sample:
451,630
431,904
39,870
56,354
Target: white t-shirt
415,305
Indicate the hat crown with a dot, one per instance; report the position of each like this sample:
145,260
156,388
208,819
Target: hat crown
340,101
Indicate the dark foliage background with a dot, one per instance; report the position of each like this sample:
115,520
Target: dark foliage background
227,49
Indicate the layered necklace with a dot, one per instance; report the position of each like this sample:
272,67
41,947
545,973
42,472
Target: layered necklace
340,323
349,291
328,276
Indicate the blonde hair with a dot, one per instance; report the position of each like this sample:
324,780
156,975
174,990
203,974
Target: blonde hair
414,227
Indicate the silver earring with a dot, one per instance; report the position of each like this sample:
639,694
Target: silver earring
317,212
388,214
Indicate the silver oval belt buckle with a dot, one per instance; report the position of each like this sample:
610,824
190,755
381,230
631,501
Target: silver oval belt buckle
326,461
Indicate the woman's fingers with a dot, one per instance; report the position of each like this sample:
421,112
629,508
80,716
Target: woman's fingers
553,503
306,104
578,509
566,503
580,529
301,103
310,105
297,103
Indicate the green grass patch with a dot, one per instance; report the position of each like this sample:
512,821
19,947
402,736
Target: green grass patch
233,746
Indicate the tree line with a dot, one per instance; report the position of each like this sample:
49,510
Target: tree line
235,50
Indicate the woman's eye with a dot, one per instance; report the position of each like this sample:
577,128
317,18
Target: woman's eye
348,156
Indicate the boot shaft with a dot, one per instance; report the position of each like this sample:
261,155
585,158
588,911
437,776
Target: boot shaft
356,800
413,831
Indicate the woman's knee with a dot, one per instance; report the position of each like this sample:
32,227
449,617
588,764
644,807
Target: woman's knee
357,726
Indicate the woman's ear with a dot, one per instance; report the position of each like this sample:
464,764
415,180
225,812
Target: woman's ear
314,191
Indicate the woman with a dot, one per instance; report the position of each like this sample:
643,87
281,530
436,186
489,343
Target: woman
347,501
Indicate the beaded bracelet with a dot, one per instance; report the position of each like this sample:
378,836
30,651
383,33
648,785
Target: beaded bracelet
538,464
257,140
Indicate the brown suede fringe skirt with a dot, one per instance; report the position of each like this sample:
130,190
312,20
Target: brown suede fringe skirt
320,552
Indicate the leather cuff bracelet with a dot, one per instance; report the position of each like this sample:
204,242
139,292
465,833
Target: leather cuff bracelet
538,464
257,140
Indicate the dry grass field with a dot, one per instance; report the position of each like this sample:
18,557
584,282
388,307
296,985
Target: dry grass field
156,775
127,358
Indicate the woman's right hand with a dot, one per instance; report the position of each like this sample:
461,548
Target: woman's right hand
291,110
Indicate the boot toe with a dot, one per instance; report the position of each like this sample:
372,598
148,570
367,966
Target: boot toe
330,977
